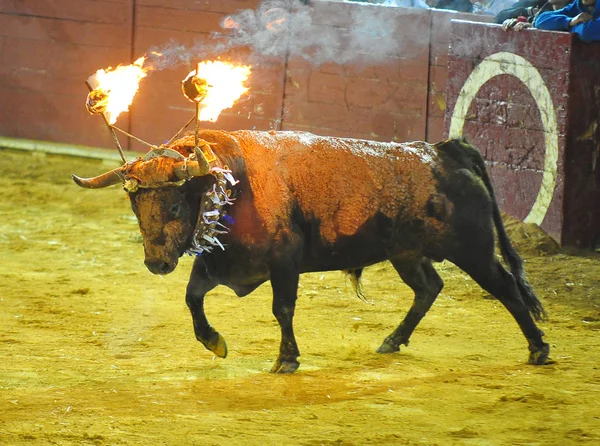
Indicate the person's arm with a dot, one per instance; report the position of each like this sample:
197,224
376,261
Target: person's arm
511,13
588,31
520,8
557,20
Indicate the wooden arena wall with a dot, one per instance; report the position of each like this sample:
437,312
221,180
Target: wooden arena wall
530,103
48,49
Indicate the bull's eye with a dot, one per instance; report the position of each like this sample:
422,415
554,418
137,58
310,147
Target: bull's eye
175,211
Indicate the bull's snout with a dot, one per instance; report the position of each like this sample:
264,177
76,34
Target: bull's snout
158,266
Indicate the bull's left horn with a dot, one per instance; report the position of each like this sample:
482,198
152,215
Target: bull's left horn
106,179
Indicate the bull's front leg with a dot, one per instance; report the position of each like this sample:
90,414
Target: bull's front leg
284,280
200,283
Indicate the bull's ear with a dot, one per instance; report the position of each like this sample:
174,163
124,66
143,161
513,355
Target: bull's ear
106,179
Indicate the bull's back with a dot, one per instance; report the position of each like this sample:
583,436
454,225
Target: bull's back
339,183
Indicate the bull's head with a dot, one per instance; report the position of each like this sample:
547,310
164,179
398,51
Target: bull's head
162,200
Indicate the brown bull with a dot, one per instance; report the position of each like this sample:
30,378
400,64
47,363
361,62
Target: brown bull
257,206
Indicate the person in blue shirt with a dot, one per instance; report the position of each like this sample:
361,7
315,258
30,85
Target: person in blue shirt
520,17
580,17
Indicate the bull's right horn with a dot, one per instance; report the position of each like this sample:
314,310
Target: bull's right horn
106,179
193,168
190,169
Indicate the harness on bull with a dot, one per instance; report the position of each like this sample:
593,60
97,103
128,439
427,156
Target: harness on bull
208,225
202,161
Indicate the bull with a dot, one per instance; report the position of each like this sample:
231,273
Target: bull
257,206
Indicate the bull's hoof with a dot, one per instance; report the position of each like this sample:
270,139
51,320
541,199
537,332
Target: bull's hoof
389,346
285,366
216,344
539,355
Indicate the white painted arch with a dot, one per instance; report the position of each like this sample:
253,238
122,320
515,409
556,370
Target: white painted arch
519,67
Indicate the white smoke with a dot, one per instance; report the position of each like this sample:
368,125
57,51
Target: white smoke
287,27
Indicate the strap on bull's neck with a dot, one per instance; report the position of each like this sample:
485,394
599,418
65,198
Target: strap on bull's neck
208,226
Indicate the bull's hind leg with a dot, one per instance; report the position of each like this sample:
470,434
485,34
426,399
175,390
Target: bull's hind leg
489,273
424,280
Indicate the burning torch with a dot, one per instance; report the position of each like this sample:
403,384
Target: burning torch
195,89
111,93
212,87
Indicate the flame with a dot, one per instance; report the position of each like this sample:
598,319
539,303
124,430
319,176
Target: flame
118,86
225,85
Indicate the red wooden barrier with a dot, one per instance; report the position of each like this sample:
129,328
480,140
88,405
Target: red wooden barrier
390,89
379,95
438,68
528,101
47,51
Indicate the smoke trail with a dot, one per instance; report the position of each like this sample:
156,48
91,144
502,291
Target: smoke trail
280,27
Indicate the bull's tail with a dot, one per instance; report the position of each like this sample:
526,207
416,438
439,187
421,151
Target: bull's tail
354,275
510,256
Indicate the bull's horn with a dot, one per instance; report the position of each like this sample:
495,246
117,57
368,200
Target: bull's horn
185,171
193,168
106,179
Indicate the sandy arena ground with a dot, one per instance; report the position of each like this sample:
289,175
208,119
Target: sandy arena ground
96,350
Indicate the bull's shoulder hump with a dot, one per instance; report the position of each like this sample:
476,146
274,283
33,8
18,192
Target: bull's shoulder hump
217,136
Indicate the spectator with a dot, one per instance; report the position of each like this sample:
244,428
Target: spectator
522,8
491,7
455,5
521,17
581,17
405,3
